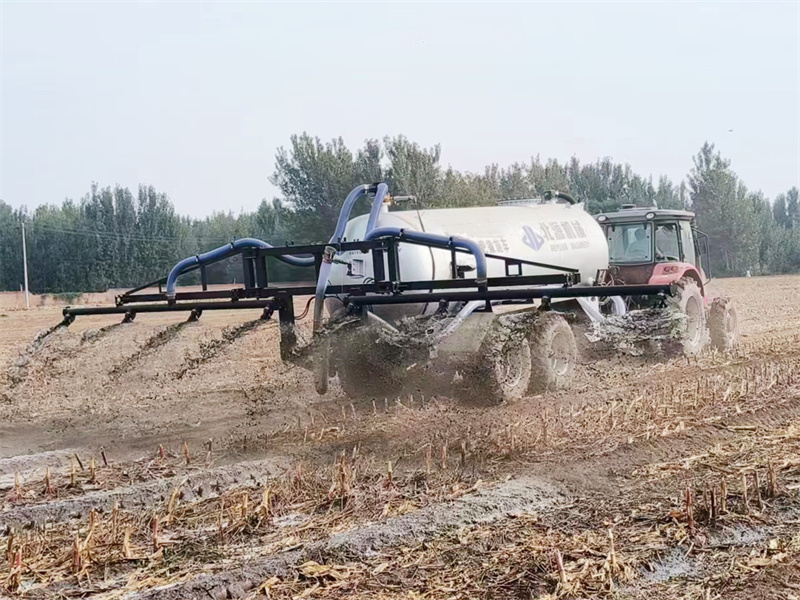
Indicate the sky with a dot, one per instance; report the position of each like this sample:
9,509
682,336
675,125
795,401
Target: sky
195,98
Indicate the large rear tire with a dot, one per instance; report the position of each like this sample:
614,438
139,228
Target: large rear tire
690,303
723,324
554,353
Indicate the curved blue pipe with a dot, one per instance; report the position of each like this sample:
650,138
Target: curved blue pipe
438,240
347,208
297,261
330,253
222,252
377,202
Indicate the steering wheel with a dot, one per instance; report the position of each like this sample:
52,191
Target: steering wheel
661,256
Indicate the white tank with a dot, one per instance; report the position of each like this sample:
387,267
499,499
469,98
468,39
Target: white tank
557,234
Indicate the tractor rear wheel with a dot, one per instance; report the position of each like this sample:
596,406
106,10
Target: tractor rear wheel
723,324
553,353
690,303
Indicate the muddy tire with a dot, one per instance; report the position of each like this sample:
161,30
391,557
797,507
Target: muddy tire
689,301
508,356
501,369
553,353
723,324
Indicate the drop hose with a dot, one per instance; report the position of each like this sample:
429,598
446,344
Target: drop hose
322,362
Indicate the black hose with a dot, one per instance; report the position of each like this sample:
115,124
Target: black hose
550,194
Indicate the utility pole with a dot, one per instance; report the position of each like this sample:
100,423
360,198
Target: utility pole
25,267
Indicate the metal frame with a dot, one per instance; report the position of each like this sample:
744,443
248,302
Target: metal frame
386,287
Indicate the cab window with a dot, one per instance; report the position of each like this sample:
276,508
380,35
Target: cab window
667,247
630,243
687,242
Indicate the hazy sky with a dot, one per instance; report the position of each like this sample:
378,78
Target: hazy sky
194,98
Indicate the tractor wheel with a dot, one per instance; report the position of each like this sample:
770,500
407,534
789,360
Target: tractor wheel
553,353
723,324
689,302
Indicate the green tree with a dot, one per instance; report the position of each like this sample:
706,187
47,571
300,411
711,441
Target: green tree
725,211
315,178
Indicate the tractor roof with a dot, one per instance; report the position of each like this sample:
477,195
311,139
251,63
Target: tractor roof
634,214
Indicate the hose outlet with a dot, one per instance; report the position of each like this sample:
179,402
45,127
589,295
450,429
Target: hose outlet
329,254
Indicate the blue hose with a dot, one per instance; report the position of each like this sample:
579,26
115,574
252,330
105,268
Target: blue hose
347,208
377,202
330,253
222,252
297,261
437,240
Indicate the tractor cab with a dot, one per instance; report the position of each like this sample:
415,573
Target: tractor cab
654,246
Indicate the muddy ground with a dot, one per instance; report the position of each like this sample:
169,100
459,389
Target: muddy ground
161,459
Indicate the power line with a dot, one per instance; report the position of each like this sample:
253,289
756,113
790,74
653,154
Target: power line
131,237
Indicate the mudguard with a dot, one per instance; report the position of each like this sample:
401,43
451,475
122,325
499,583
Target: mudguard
672,272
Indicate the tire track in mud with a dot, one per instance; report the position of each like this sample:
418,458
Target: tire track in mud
522,495
194,486
30,465
538,491
531,495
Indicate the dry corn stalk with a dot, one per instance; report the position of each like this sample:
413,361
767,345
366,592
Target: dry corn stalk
266,499
77,559
562,573
115,521
690,512
773,480
126,544
48,487
156,545
723,492
757,483
745,502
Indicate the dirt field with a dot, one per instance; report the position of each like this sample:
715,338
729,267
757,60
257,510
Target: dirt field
161,459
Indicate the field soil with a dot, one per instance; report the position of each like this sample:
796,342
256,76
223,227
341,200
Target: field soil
169,459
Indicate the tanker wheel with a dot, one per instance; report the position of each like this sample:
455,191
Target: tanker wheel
554,353
507,372
723,324
690,303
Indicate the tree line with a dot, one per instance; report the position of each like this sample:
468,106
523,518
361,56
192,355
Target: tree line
114,237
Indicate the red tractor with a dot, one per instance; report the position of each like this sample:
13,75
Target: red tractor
657,246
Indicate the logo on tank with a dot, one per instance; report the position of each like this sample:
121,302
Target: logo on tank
532,238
